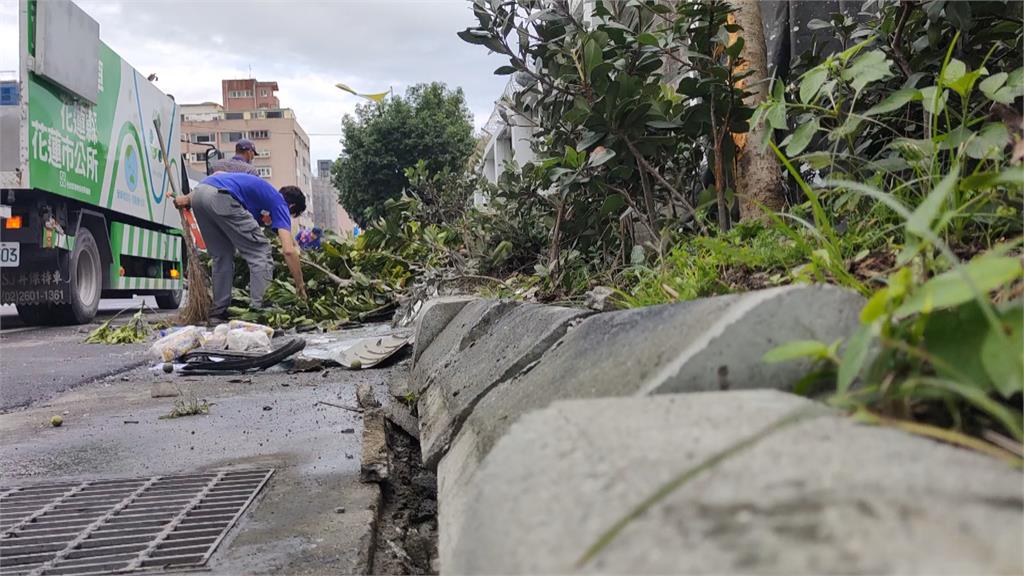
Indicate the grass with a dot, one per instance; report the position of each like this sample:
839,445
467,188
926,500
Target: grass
191,407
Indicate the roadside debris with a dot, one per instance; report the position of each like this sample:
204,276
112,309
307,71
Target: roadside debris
56,421
132,332
353,353
342,406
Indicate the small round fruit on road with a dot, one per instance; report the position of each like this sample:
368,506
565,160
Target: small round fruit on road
56,421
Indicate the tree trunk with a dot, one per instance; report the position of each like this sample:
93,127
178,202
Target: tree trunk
760,185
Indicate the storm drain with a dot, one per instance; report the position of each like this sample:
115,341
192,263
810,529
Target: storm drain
104,526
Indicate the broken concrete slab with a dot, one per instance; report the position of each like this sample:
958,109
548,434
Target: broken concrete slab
400,415
477,356
432,317
821,496
685,347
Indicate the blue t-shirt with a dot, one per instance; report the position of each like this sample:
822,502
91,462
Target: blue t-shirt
256,195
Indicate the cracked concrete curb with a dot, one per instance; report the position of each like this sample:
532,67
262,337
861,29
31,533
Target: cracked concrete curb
485,344
484,378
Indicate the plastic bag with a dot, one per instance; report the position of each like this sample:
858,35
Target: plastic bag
251,327
242,340
177,343
218,339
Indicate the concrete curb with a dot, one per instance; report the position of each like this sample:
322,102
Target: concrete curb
485,370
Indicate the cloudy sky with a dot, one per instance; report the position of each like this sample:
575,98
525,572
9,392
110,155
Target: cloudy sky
307,46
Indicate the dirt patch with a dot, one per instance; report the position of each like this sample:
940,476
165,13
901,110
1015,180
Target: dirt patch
406,540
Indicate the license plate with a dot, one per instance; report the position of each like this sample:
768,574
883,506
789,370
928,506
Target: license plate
10,254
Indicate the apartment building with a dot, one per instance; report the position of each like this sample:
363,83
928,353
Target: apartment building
250,109
328,213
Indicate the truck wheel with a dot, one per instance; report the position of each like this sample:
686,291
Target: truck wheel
169,300
86,271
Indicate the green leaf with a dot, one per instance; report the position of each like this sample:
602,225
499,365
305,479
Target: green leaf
802,137
734,49
664,124
989,142
875,306
895,101
965,83
811,83
1003,354
993,82
954,338
928,100
794,350
954,70
777,115
601,155
504,70
921,219
990,86
855,356
867,68
647,39
592,56
950,288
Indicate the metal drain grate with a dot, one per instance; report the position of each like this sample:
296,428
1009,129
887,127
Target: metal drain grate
105,526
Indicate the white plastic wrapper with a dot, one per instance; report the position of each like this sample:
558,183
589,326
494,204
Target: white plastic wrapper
243,340
177,343
250,327
218,339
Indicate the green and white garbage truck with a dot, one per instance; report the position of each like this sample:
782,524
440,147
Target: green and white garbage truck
83,211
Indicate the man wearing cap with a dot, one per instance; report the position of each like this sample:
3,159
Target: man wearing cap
245,151
228,207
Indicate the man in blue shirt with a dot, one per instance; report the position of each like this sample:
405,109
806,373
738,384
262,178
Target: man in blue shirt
228,208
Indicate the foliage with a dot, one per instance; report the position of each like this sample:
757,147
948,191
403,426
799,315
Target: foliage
444,196
920,143
750,256
623,119
430,123
353,280
132,332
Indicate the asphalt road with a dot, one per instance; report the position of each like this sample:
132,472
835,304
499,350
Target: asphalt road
313,517
39,362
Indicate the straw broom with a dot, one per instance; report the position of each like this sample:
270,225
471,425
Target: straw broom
197,308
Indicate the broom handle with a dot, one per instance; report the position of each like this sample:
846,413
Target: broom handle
186,232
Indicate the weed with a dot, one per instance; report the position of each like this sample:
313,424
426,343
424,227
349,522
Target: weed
191,407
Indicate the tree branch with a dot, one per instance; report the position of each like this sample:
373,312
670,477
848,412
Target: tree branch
897,39
646,166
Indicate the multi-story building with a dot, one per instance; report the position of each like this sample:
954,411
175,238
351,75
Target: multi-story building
328,213
251,109
509,135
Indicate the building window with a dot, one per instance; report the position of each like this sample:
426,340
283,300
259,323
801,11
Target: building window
263,92
264,171
202,138
264,153
259,134
234,115
231,136
240,94
275,114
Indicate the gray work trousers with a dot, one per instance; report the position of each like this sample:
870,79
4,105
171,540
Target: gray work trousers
226,227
